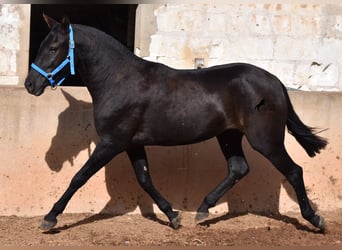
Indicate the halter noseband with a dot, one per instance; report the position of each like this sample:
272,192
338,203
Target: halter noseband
69,59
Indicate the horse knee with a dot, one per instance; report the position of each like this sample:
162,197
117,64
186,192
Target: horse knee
238,167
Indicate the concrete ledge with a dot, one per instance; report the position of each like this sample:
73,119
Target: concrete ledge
45,140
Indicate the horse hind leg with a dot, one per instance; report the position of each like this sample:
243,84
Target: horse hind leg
269,144
230,144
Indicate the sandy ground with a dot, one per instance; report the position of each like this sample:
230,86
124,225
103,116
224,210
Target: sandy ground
137,230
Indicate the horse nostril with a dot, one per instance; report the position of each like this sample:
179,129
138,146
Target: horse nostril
29,85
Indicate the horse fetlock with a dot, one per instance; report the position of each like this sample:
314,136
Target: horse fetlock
210,201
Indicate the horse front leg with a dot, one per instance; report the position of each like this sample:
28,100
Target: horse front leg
102,154
138,158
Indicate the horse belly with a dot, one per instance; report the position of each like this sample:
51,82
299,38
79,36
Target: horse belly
181,127
178,136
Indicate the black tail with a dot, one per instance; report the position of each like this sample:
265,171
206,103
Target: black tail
306,136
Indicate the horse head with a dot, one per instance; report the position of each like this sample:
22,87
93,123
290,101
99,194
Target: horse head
49,67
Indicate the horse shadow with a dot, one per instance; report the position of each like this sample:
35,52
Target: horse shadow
181,173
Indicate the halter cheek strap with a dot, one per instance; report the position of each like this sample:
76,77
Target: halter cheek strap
69,60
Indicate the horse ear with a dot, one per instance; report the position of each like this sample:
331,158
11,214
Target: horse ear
65,22
49,21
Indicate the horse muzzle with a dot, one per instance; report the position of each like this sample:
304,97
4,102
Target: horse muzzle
30,86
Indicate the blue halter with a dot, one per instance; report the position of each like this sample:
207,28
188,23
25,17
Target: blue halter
69,59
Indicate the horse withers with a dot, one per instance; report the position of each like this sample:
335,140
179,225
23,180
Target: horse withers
138,103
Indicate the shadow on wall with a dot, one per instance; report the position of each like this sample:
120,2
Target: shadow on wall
183,174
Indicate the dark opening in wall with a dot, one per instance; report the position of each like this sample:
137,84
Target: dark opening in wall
117,20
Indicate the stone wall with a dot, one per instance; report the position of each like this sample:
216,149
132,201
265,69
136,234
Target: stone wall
14,42
299,43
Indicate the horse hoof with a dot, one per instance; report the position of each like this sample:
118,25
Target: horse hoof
200,216
47,225
321,223
175,222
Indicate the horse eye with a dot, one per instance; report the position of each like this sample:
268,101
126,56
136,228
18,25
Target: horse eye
53,49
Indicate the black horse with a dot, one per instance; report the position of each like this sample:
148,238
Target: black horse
138,103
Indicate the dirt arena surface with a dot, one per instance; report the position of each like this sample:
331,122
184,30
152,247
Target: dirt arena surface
136,230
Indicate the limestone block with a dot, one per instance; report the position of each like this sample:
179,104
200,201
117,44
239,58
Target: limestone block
4,62
179,19
249,47
9,27
306,26
302,73
333,26
284,71
217,47
199,44
281,24
318,74
237,22
216,23
260,25
8,62
324,75
168,44
333,21
298,9
219,8
289,48
9,80
330,49
167,20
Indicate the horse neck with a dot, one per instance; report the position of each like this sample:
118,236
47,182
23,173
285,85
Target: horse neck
100,60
